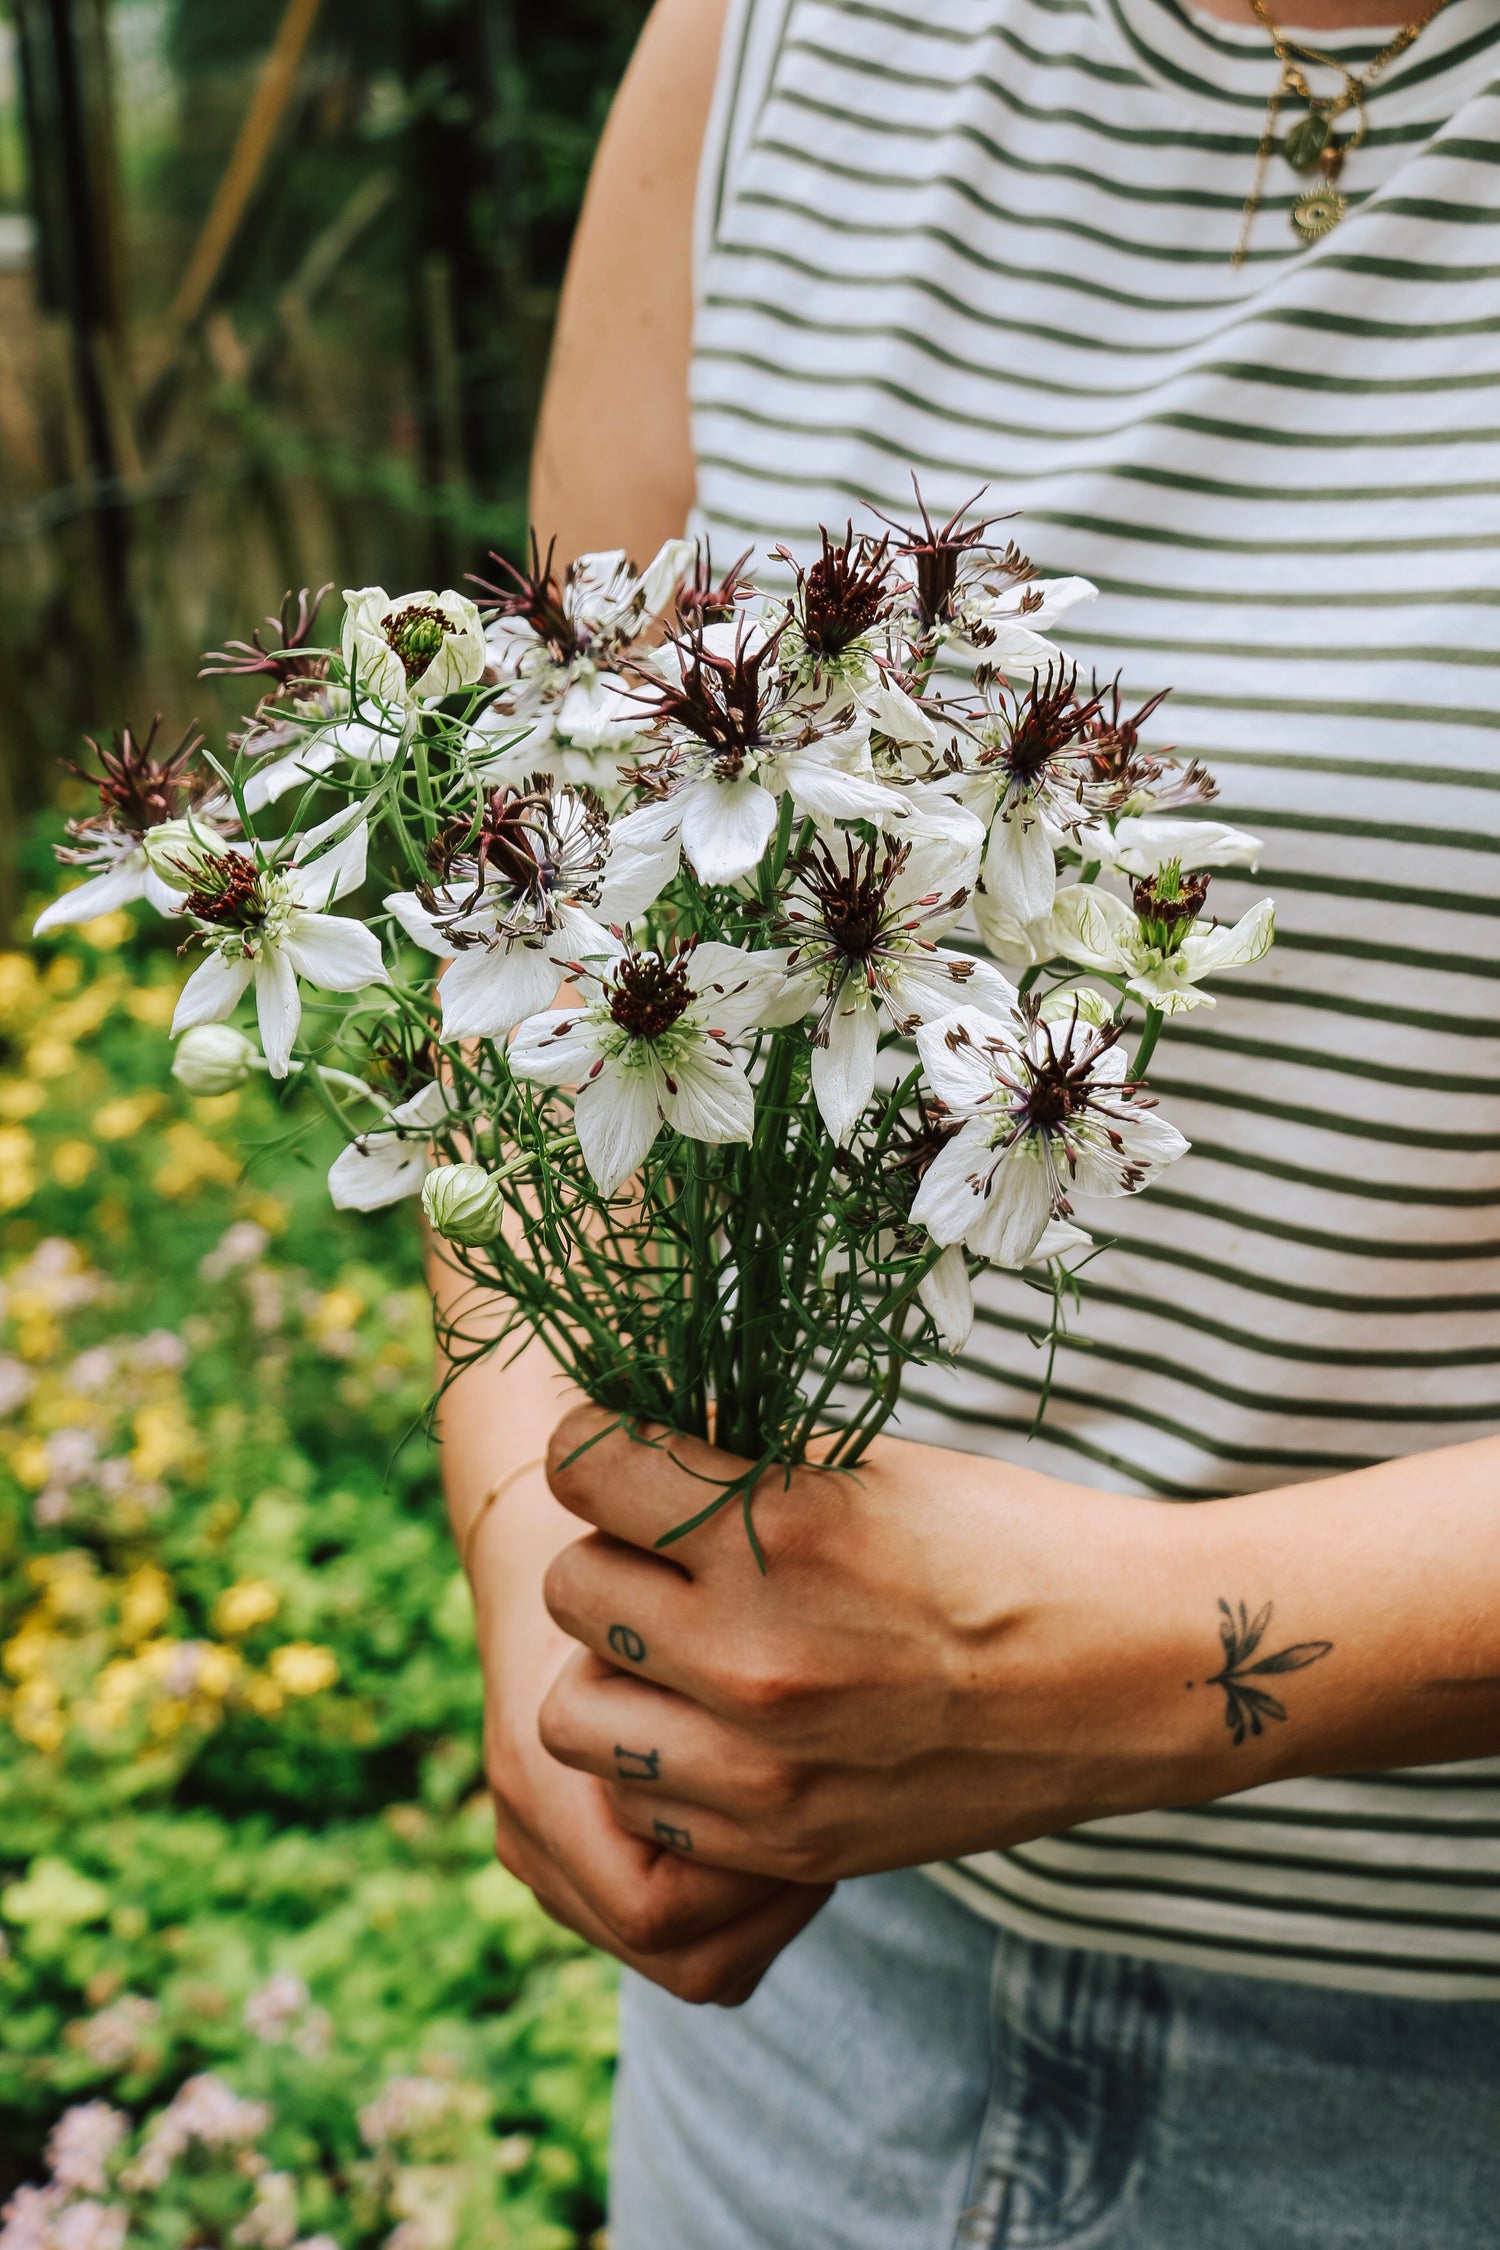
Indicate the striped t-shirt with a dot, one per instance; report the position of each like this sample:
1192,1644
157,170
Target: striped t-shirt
990,240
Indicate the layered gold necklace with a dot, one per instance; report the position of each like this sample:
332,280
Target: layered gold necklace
1310,143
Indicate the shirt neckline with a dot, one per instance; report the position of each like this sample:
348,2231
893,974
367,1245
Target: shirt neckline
1227,70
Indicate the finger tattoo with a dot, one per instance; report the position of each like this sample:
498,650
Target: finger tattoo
626,1642
678,1838
637,1765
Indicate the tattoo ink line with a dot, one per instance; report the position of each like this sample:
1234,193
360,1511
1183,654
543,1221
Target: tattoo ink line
678,1838
626,1642
1246,1708
637,1765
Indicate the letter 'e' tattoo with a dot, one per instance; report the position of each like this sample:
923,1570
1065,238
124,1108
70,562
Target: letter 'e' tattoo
1247,1708
626,1642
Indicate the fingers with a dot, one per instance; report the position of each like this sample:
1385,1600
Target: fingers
634,1610
632,1731
638,1483
687,1829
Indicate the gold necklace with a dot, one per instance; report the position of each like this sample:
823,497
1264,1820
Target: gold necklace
1308,143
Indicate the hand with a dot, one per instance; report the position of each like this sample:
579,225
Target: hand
702,1933
946,1654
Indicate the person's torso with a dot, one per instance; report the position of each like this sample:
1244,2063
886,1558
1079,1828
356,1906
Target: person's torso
989,242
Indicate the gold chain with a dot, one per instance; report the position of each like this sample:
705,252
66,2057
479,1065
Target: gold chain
1325,109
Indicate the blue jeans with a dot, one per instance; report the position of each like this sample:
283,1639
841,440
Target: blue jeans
908,2077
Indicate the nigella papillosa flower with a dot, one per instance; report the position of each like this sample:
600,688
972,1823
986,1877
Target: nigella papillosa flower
1159,943
976,604
835,614
558,648
414,649
862,919
529,883
139,793
1045,1111
737,736
393,1160
651,1044
264,923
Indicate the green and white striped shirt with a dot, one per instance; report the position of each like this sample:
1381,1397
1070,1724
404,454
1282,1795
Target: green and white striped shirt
990,240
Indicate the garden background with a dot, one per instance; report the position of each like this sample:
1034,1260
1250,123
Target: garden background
276,285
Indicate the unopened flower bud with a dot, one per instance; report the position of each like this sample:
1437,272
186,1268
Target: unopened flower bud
176,851
463,1203
214,1058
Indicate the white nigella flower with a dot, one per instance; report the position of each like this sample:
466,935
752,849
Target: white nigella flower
138,796
834,623
652,1043
736,741
558,649
393,1160
862,919
1032,777
1044,1112
1158,945
414,649
528,889
978,604
264,923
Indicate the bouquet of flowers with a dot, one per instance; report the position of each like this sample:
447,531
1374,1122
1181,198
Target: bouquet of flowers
736,973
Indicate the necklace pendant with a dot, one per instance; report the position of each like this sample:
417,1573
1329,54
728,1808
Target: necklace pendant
1318,212
1305,141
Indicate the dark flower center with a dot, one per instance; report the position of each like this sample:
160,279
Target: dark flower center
416,635
226,891
853,894
1168,904
649,994
844,594
137,791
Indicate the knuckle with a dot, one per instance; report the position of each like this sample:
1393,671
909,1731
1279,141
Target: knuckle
560,1583
700,1984
643,1926
772,1787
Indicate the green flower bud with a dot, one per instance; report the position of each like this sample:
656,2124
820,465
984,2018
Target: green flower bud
214,1058
178,850
463,1203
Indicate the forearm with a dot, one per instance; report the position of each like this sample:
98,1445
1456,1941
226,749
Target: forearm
1397,1569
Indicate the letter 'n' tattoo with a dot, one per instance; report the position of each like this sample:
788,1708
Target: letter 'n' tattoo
1247,1708
678,1838
637,1765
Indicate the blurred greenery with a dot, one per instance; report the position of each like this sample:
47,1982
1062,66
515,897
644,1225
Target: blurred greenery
245,1855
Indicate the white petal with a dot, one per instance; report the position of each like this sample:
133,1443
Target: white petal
335,872
617,1119
1208,951
648,827
557,1048
299,767
1143,843
634,880
487,992
1094,928
1145,1140
712,1099
425,1109
831,792
100,895
726,827
1058,1238
928,985
278,1004
333,951
417,922
380,1169
946,1292
843,1072
664,574
959,1053
211,992
1020,872
948,1202
1016,1209
736,989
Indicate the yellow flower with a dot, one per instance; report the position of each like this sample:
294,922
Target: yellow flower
36,1716
145,1602
193,1161
164,1438
28,1464
106,931
50,1058
72,1162
264,1697
17,1176
302,1668
254,1601
18,986
20,1097
336,1310
153,1004
28,1653
216,1109
122,1119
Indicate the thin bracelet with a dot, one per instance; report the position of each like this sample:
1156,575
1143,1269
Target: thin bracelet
496,1492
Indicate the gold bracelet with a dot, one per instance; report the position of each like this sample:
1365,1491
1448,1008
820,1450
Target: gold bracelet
496,1492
